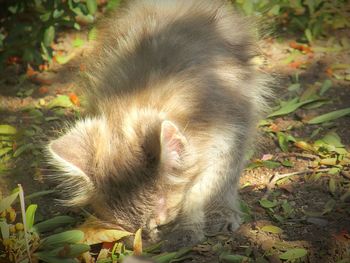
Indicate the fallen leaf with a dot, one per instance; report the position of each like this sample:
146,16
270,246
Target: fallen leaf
74,99
330,116
94,235
137,246
43,90
272,229
294,253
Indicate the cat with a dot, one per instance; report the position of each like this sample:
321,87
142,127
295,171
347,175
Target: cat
174,101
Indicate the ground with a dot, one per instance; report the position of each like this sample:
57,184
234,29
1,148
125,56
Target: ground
308,209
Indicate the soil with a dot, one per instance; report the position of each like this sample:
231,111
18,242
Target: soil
325,236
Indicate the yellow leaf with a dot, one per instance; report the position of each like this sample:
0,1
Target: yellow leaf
138,242
93,235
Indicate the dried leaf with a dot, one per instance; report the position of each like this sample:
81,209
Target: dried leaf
93,235
137,247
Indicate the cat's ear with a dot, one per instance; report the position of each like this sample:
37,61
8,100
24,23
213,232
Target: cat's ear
173,145
70,155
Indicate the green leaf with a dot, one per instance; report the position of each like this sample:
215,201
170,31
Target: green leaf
290,106
332,138
267,203
270,164
71,251
308,35
329,206
22,149
7,129
233,258
49,35
7,201
164,257
62,101
294,87
272,229
4,230
78,42
92,34
61,239
330,116
326,85
274,11
112,4
282,141
46,257
30,214
287,163
293,254
92,6
332,186
5,150
53,223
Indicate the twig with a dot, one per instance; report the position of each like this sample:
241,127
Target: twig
21,197
301,155
276,177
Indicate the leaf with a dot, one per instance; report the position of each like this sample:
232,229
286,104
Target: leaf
332,186
333,138
329,161
294,87
326,85
7,201
267,203
282,141
4,230
92,6
308,35
233,258
5,150
92,35
62,101
46,257
69,251
67,237
22,149
137,246
329,206
305,146
164,257
78,42
97,235
7,129
53,223
272,229
290,106
287,163
270,164
293,254
49,35
330,116
30,214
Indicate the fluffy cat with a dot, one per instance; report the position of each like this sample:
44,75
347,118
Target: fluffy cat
174,100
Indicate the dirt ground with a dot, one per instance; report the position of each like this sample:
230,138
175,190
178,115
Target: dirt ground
302,209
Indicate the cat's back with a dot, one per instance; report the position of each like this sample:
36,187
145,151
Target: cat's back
146,44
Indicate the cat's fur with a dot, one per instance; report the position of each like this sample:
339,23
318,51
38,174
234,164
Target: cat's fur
174,101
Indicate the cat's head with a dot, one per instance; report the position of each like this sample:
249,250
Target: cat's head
132,171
